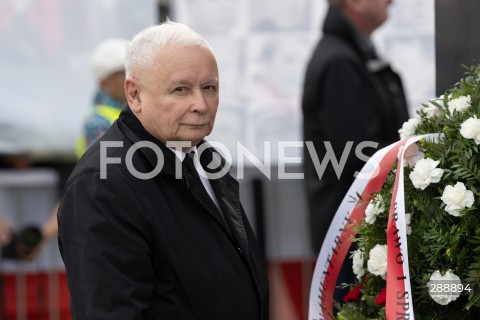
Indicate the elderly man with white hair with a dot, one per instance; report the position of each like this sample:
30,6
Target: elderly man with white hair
147,228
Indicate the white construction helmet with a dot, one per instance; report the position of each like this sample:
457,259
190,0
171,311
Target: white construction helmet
109,57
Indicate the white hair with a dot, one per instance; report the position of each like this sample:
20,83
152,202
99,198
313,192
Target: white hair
145,46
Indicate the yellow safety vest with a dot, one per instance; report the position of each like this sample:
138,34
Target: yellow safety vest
109,113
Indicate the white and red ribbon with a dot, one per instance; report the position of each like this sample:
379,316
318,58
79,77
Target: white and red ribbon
339,237
399,293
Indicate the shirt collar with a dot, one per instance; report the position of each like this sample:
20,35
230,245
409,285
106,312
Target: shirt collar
182,154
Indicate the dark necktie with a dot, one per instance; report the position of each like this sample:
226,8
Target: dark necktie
189,163
200,188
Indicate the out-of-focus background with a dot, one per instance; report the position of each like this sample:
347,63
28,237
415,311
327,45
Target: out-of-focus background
262,47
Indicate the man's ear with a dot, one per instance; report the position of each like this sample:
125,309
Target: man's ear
132,92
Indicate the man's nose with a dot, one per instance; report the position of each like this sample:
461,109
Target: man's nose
199,102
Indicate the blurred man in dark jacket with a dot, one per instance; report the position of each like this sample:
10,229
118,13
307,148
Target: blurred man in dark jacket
350,95
148,230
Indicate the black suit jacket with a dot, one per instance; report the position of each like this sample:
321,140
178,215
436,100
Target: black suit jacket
155,248
349,95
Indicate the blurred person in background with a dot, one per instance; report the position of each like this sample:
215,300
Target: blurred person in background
175,244
350,94
108,65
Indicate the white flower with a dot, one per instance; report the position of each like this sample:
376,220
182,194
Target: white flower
457,198
412,155
436,288
459,104
377,261
408,128
432,110
470,129
375,206
357,264
425,172
408,219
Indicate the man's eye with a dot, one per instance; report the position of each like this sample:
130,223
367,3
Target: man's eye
180,90
211,88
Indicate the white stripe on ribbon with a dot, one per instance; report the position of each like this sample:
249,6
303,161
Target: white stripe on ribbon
399,293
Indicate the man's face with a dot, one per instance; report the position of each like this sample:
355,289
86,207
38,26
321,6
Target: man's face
178,96
376,11
114,85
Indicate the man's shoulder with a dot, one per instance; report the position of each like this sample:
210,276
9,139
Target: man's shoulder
332,48
111,145
333,53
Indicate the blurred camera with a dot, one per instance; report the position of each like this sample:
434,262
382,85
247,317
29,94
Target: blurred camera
23,243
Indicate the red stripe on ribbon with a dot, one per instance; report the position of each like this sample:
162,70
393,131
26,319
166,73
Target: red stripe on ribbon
347,234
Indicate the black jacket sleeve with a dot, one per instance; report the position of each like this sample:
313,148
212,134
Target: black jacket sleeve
103,241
